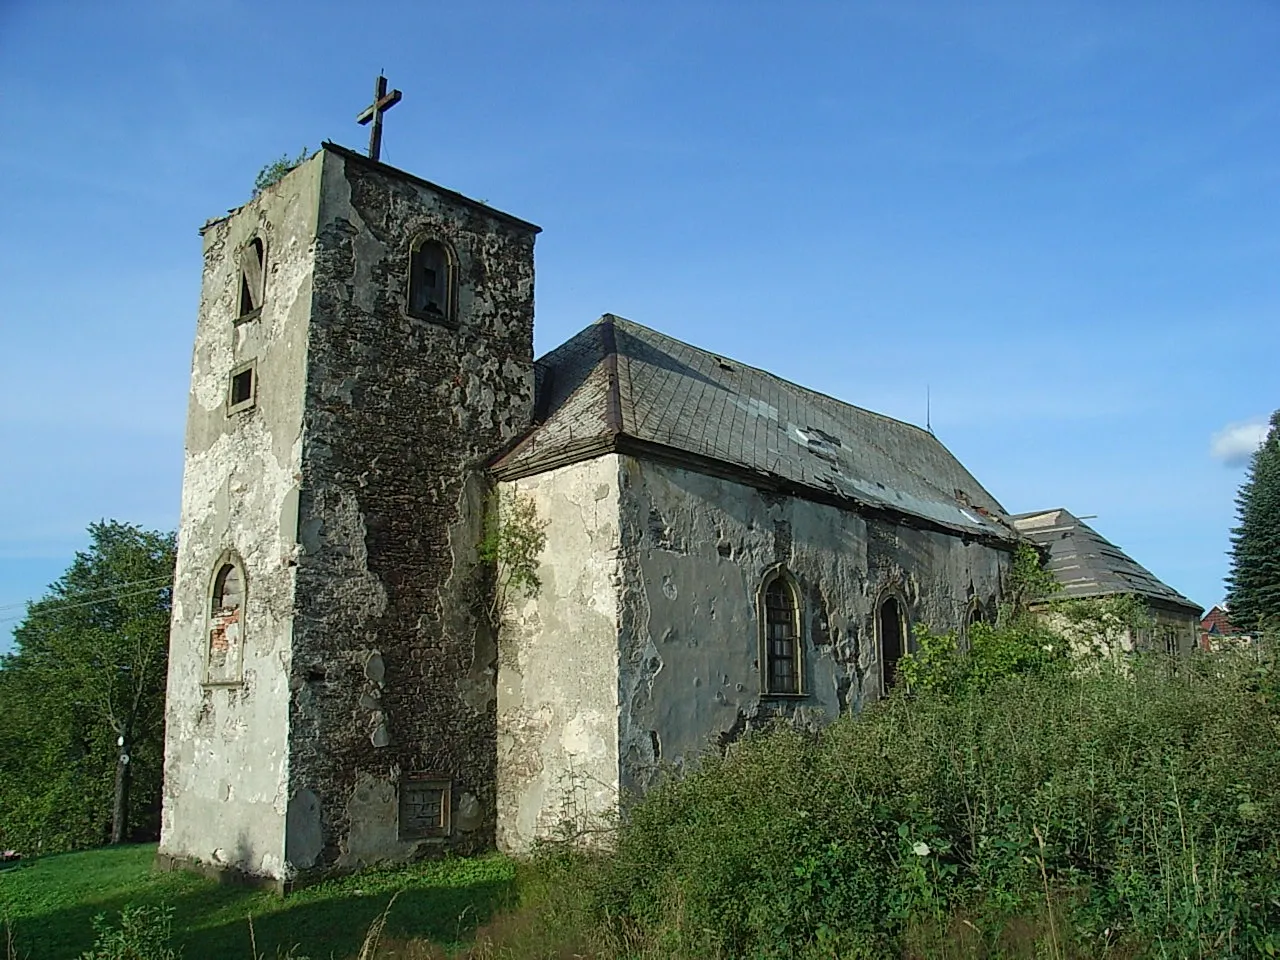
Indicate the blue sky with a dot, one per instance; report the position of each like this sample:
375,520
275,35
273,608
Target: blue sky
1059,219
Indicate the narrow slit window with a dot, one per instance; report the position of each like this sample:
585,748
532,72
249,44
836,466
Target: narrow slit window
892,645
252,269
782,647
431,281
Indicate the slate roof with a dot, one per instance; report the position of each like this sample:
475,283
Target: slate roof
1089,565
621,386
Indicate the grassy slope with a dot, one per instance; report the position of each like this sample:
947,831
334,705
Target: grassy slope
50,904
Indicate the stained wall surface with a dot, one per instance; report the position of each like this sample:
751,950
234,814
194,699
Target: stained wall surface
351,489
558,663
695,551
643,646
225,790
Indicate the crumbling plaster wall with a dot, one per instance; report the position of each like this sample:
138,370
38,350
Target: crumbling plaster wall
225,789
558,663
393,674
1090,638
1182,625
695,549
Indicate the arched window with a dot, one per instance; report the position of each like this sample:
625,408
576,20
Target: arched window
228,589
892,630
253,261
432,279
780,621
974,615
226,624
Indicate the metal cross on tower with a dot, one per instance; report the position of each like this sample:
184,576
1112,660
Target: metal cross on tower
382,101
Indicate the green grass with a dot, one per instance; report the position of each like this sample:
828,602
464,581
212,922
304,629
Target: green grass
50,904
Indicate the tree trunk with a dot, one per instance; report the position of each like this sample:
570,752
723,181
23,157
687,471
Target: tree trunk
120,805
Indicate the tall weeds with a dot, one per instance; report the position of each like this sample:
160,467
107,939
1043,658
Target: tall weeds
1113,813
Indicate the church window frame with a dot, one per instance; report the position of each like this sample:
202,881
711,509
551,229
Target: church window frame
975,612
252,272
889,678
781,635
421,266
224,632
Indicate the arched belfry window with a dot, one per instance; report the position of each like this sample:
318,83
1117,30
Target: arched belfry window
780,635
253,264
432,280
891,628
225,651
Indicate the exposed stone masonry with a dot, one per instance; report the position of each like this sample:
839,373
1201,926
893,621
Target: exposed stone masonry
392,673
352,484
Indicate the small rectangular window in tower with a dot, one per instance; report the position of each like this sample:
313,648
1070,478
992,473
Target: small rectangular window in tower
424,808
240,395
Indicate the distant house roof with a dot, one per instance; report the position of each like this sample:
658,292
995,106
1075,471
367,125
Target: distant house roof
621,386
1089,565
1218,623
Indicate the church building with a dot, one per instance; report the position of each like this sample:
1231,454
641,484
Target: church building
722,547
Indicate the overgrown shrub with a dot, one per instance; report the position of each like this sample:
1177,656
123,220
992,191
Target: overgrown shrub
275,171
143,934
1078,813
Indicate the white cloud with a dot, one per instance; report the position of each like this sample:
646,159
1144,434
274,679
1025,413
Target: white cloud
1234,444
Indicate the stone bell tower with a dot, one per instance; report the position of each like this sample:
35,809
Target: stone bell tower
364,345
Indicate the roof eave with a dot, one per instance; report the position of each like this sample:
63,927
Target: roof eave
618,442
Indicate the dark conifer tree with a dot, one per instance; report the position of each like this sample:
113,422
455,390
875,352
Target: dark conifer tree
1253,586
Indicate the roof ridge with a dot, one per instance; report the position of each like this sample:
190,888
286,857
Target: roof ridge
609,354
613,318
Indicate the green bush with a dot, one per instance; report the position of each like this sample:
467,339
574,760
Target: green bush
143,934
1090,812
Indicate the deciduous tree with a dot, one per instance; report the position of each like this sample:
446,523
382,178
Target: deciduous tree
84,693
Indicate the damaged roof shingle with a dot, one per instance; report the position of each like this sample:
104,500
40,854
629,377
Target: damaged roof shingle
618,385
1089,565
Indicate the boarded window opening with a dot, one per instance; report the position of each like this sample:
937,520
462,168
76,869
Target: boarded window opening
226,625
431,281
252,265
891,642
424,808
782,655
